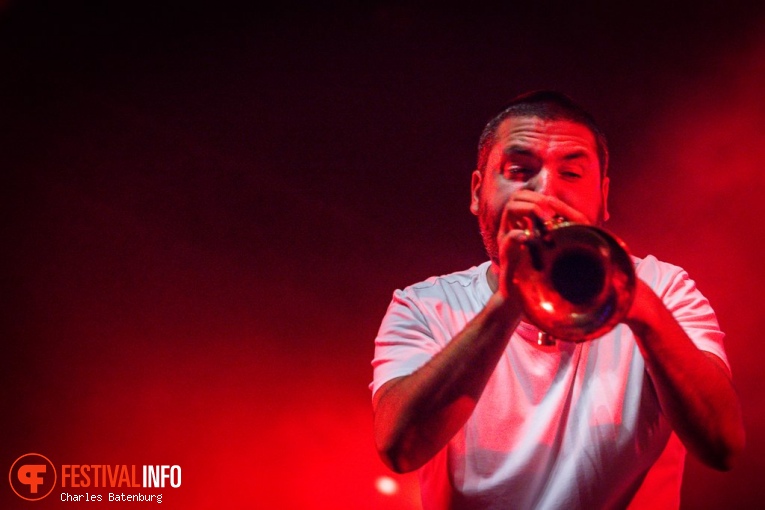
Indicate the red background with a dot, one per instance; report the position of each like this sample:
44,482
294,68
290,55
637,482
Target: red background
206,208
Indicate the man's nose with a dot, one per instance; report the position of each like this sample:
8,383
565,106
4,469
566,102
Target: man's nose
542,182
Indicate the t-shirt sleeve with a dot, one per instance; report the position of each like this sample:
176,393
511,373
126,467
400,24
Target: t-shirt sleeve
404,341
692,311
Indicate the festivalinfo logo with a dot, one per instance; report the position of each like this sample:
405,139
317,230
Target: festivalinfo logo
33,477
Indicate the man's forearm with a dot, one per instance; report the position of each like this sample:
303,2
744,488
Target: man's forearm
694,389
416,415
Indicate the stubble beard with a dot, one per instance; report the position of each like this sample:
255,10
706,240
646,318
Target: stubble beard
488,223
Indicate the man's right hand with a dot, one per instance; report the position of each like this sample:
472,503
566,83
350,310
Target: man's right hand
517,224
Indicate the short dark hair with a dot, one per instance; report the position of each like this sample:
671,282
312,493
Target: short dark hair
546,105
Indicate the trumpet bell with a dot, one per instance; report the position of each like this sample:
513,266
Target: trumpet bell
576,281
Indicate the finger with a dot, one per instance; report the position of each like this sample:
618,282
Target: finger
546,207
518,215
565,211
515,236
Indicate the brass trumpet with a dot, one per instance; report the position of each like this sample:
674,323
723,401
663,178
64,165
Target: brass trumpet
576,281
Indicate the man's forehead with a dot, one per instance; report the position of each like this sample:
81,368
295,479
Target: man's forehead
530,130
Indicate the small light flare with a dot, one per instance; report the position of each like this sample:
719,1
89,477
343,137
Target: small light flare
386,485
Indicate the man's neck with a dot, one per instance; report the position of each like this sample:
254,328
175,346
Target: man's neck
492,276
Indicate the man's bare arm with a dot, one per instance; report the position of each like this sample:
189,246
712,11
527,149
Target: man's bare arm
416,415
694,389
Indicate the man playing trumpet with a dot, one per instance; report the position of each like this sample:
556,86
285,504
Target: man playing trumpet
491,418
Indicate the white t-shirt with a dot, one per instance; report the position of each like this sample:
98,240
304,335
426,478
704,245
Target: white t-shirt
567,426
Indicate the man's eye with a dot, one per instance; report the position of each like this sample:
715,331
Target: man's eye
569,174
517,172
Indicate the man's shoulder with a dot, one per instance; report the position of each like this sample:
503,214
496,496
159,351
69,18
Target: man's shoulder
652,265
665,279
473,277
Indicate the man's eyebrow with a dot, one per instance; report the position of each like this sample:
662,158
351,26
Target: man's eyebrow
518,150
577,154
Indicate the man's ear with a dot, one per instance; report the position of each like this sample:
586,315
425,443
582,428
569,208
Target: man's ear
604,193
475,191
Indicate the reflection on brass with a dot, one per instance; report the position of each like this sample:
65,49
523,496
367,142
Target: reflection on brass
576,281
